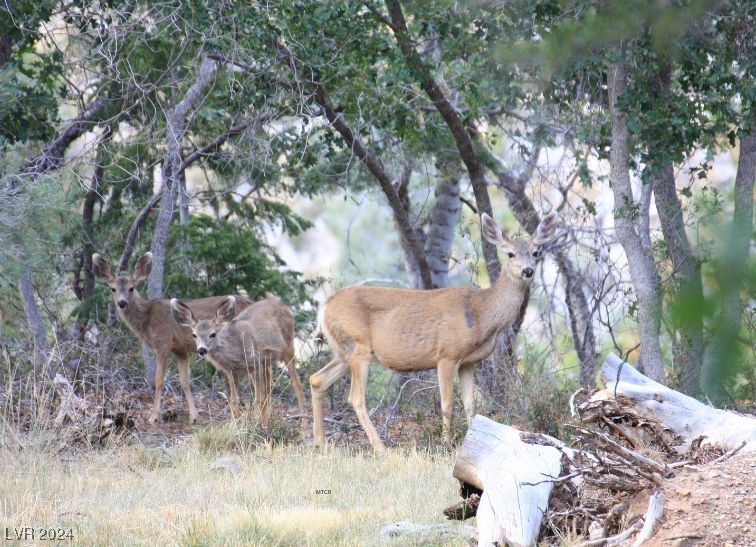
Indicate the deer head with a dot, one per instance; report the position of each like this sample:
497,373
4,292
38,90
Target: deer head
204,331
523,252
122,286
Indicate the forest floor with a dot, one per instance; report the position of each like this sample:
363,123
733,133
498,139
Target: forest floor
712,504
220,482
223,482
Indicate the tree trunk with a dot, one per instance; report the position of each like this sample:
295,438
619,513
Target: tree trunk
722,352
688,346
34,322
643,272
686,416
176,119
443,221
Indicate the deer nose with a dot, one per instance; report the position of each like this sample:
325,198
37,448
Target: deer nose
202,351
122,304
527,272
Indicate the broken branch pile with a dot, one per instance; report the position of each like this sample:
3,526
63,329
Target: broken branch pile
526,487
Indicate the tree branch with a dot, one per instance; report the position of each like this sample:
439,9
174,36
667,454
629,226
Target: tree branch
454,123
371,162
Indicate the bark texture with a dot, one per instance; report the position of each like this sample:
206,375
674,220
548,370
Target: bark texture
686,278
443,221
643,272
177,119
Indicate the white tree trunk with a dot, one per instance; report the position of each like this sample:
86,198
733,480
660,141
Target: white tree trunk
516,475
686,416
643,272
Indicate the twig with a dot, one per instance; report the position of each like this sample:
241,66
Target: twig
653,513
730,454
614,540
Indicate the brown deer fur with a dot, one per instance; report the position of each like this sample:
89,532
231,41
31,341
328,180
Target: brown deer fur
253,341
409,330
152,322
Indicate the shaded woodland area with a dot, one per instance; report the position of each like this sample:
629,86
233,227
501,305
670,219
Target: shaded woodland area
633,120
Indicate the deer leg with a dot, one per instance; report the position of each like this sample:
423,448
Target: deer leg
446,372
319,384
467,388
291,366
183,366
262,388
161,369
233,393
359,363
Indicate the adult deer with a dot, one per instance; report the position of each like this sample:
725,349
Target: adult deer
152,322
411,330
252,341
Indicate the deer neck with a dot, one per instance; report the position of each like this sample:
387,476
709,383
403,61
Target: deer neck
499,305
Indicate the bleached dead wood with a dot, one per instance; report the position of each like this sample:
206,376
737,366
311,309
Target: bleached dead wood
653,514
686,416
79,419
71,406
516,471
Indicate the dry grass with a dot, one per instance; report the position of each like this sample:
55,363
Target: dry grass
132,494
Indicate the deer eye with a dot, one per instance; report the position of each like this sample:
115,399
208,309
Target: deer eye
194,335
511,255
131,289
212,335
536,254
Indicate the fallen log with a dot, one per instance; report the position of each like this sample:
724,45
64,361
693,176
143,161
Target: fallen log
686,416
516,471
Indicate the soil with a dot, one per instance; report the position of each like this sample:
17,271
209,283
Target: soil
712,504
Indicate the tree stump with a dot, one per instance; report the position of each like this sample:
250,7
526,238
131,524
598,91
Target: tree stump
516,471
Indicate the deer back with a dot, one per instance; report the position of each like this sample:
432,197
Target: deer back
264,328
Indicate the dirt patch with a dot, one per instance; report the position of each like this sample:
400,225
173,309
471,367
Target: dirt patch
712,504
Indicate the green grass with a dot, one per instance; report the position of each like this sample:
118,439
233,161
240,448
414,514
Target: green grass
136,495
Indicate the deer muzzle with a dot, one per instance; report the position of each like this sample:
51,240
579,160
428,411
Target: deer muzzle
202,351
122,304
527,273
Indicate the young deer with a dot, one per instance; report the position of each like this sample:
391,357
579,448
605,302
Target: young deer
410,330
152,322
253,341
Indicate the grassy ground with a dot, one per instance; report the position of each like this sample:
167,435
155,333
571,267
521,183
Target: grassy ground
130,494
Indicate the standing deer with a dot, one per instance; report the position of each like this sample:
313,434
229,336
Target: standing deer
253,341
152,322
411,330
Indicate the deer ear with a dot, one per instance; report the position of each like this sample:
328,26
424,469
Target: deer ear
142,268
226,311
101,268
181,313
491,230
546,229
